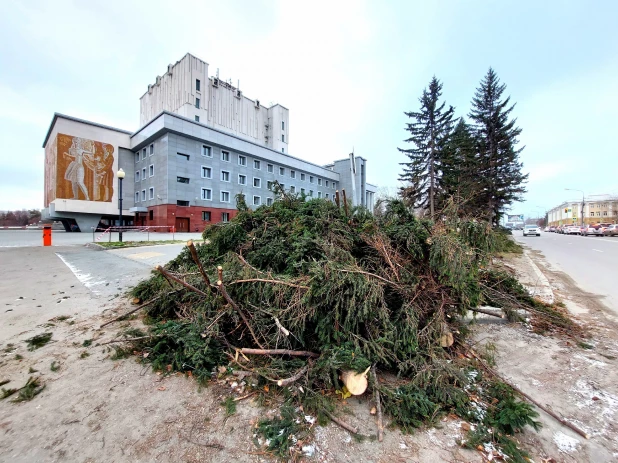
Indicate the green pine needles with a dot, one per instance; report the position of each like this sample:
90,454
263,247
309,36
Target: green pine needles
355,289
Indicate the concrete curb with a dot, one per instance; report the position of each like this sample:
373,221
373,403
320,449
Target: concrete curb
542,288
95,246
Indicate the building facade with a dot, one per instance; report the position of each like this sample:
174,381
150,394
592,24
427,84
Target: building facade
201,143
603,210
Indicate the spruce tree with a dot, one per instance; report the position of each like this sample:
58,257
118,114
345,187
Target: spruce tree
429,132
499,166
460,168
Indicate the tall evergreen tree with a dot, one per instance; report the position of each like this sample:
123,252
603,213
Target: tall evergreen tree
499,166
429,132
460,168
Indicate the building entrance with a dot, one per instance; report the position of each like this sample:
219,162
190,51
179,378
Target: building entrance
182,224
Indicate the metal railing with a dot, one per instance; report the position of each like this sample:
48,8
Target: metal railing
134,228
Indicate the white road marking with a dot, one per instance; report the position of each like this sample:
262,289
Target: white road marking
597,250
84,278
144,255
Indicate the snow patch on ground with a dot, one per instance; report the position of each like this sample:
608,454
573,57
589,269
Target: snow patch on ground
590,396
594,363
565,444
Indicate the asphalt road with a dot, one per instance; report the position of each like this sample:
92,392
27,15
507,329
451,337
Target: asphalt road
591,261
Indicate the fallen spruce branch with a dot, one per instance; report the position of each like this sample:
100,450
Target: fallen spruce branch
345,202
487,312
229,300
154,299
27,392
373,275
341,423
168,275
294,353
251,394
197,261
295,377
263,280
530,399
374,376
126,340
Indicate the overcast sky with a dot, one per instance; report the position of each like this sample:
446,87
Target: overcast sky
346,70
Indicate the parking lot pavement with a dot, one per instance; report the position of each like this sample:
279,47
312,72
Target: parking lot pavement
591,261
25,238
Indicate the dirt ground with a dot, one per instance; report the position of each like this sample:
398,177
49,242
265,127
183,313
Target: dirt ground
95,409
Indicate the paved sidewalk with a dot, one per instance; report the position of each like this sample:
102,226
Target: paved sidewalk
34,238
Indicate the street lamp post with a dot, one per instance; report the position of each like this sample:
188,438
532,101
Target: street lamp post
583,202
120,175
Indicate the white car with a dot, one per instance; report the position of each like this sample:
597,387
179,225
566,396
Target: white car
571,230
532,230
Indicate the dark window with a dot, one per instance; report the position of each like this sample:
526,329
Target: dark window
182,180
182,203
282,125
197,84
197,118
282,138
206,216
197,103
151,215
181,156
225,217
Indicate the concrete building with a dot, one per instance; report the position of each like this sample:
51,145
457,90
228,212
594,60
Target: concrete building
602,209
201,143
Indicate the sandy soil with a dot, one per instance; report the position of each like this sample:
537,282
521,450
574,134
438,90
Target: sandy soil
579,384
95,409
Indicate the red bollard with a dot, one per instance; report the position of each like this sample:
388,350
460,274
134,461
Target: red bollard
47,232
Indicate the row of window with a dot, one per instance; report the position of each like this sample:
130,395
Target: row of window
225,157
206,215
137,153
270,168
141,177
143,195
224,197
242,180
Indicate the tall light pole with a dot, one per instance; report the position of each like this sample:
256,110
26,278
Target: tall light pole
120,175
583,202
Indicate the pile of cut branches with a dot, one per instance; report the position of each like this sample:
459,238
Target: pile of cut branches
308,296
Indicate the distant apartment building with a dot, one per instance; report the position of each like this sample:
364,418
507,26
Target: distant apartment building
595,211
201,142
